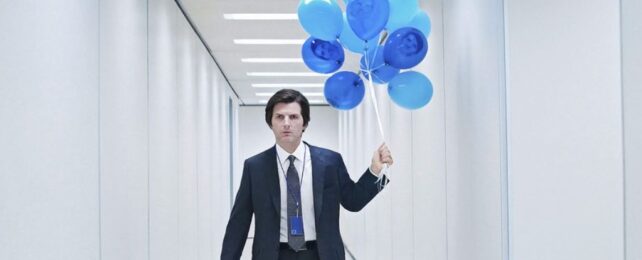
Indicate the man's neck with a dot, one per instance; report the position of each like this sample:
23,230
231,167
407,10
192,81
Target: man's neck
290,148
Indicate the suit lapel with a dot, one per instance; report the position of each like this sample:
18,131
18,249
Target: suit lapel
273,181
318,172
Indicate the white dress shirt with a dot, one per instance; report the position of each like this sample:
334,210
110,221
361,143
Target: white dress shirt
307,198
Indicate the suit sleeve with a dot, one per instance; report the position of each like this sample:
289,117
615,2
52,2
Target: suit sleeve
240,219
355,196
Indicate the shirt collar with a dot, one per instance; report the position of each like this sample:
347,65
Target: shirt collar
298,153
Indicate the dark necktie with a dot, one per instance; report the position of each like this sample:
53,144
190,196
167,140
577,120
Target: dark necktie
294,195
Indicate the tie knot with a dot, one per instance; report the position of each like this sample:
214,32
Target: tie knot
291,158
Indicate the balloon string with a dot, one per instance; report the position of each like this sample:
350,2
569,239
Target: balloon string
385,170
378,67
373,96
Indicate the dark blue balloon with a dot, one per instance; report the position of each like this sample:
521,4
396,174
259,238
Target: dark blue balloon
405,48
344,90
410,90
367,17
381,72
322,56
421,21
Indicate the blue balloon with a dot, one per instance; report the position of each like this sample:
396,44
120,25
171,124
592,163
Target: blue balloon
322,56
367,17
401,13
405,48
350,41
410,90
421,21
344,90
321,18
381,72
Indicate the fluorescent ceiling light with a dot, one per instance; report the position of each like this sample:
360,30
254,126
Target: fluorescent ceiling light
269,41
272,60
287,85
285,74
311,101
310,94
260,17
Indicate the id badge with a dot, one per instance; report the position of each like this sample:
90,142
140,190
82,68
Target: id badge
296,226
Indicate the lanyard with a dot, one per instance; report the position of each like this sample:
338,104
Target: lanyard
305,151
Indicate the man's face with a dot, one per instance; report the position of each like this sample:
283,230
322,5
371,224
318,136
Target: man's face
409,44
325,50
287,123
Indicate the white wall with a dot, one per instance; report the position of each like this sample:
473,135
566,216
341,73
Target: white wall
114,142
49,130
565,130
632,94
474,70
163,126
123,130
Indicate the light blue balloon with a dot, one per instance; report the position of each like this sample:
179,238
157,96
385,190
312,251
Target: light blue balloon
381,72
421,22
353,43
401,12
344,90
411,90
367,17
321,18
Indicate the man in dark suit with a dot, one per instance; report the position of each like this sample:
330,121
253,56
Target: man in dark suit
294,190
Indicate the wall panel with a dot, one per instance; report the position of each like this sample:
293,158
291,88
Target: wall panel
204,173
632,94
188,196
428,150
106,149
401,205
221,182
123,130
49,152
473,65
163,131
565,130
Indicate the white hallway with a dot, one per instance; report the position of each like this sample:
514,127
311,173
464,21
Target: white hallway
120,137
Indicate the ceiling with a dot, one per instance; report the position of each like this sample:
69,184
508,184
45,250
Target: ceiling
219,34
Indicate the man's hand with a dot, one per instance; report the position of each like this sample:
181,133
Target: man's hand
380,156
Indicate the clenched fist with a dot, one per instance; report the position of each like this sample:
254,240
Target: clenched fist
381,156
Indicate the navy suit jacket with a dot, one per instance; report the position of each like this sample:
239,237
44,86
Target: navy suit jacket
260,194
